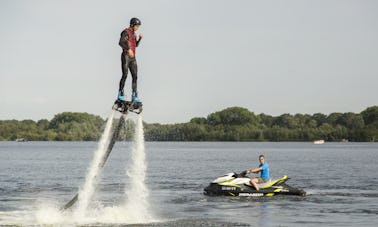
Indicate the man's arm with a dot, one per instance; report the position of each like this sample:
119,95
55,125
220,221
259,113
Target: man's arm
255,170
140,38
123,41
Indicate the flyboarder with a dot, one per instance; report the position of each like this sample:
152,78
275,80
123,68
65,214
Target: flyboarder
129,42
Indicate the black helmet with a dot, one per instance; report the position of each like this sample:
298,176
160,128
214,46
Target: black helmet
135,21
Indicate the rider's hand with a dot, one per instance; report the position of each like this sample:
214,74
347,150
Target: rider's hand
130,53
140,35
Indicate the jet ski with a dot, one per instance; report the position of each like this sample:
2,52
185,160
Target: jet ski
233,184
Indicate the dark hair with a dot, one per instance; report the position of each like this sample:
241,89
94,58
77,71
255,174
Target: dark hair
261,156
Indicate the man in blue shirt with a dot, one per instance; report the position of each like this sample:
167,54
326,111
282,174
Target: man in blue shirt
264,173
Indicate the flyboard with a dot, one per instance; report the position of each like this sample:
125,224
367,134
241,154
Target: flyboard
123,107
128,106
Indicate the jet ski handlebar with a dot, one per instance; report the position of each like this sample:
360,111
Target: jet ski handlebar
242,174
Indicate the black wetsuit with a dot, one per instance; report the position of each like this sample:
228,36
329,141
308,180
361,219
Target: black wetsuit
128,41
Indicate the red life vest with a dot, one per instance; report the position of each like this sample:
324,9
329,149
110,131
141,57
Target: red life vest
132,41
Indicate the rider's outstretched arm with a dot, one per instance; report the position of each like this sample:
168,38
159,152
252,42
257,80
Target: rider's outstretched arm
255,170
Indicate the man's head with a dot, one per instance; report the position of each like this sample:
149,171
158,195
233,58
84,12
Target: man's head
262,159
135,23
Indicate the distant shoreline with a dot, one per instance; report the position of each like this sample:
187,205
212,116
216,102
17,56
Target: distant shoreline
231,124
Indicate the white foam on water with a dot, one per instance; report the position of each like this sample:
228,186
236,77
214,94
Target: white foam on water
48,213
133,209
94,171
137,205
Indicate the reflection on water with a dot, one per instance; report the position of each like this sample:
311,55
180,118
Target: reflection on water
264,214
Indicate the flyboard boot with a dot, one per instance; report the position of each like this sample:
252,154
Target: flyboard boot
134,98
121,96
136,103
124,106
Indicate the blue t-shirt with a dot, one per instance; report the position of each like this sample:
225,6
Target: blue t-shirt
264,174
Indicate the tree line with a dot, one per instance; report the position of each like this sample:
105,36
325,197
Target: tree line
230,124
65,126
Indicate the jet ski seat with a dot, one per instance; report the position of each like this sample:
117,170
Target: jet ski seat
261,185
265,184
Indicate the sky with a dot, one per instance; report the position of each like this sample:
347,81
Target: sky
197,57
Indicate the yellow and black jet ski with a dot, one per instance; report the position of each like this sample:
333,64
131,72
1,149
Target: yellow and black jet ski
233,184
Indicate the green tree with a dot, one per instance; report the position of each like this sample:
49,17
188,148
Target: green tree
319,118
333,118
233,116
286,121
370,115
198,120
351,121
266,120
77,126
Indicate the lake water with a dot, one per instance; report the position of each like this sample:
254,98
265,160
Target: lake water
341,180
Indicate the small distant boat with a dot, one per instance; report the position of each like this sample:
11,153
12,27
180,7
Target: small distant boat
345,140
319,141
21,140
